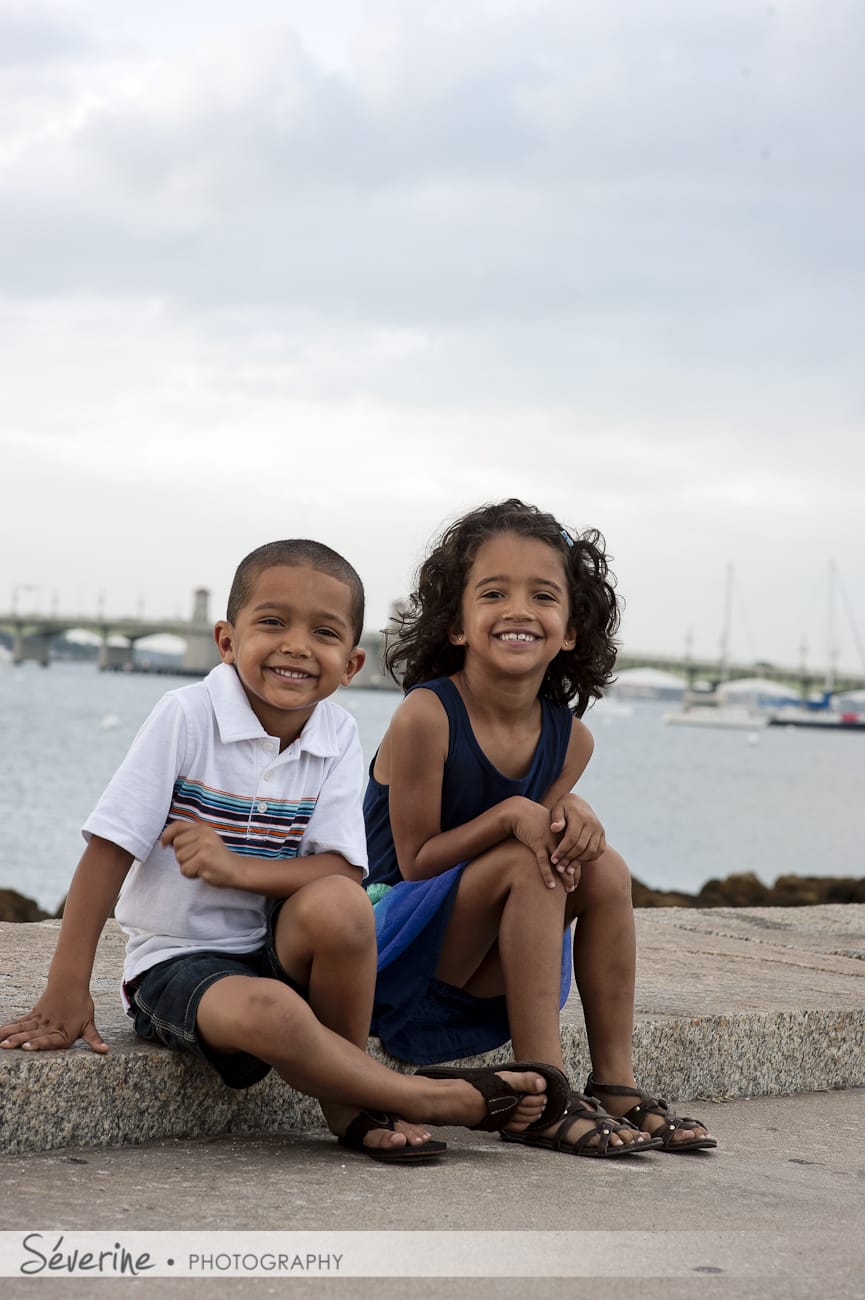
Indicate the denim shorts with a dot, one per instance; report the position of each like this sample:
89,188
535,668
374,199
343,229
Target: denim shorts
164,1002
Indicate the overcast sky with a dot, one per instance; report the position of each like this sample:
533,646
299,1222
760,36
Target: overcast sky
346,269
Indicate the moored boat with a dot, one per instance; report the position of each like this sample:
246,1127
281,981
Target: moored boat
827,719
731,716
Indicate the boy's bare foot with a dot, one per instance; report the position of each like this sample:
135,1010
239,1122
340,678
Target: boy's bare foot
401,1135
385,1138
515,1096
388,1132
527,1111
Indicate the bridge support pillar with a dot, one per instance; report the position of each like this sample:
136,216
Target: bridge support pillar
36,647
201,653
116,658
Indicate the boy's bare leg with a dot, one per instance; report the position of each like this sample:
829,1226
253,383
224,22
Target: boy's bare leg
605,970
505,936
270,1020
325,939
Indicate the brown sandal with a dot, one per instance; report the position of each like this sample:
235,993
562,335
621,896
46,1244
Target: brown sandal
366,1121
581,1107
500,1098
649,1105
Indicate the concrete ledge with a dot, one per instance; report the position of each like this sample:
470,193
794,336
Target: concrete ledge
730,1002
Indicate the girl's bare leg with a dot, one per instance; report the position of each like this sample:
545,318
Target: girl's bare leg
605,970
605,963
505,936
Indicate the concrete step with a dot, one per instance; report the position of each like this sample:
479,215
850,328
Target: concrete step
730,1003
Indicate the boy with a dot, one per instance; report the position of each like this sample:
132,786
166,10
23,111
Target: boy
250,943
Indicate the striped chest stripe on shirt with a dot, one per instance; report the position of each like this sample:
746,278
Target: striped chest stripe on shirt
263,828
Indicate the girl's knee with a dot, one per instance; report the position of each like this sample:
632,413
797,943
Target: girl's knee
606,876
509,863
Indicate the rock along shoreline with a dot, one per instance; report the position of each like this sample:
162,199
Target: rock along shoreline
738,890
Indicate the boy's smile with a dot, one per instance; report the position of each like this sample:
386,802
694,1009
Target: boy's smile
292,644
516,605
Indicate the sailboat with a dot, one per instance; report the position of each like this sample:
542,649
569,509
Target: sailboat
819,716
823,713
709,708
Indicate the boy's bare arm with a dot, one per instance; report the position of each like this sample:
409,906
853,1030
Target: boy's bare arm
64,1012
201,852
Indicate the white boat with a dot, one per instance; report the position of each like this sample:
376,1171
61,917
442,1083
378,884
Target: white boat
709,708
827,719
734,717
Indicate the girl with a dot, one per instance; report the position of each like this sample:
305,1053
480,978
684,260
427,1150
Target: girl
480,857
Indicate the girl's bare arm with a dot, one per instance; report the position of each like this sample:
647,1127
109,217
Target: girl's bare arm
579,833
412,763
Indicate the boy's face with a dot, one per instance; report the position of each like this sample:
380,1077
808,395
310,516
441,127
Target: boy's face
292,645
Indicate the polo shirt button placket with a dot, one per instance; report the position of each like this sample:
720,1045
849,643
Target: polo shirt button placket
268,746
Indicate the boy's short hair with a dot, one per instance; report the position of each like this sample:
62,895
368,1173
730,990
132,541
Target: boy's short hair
296,551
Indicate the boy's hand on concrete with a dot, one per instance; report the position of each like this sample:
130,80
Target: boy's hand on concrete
56,1022
200,852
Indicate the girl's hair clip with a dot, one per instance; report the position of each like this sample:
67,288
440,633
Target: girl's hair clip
567,537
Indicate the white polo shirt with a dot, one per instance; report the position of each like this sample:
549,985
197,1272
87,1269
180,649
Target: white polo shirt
203,755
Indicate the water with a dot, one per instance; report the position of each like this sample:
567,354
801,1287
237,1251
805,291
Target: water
683,804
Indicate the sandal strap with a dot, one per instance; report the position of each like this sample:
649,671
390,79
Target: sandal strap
364,1122
581,1107
592,1086
647,1105
500,1098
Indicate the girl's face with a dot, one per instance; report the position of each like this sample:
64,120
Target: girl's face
516,613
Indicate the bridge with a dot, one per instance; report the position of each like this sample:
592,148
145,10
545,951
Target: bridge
804,680
33,634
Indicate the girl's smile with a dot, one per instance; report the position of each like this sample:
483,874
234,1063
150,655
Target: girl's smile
515,607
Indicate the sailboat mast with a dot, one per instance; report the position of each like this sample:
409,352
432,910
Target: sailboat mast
723,671
832,647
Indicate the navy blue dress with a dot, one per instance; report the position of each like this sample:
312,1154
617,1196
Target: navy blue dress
417,1017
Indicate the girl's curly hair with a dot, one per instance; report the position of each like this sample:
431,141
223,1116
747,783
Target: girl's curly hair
418,646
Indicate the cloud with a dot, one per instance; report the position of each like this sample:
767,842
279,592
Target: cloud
353,269
35,36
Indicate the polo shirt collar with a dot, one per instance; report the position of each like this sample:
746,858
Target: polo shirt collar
236,720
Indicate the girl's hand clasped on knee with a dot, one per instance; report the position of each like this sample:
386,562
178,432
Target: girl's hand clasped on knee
581,837
529,823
